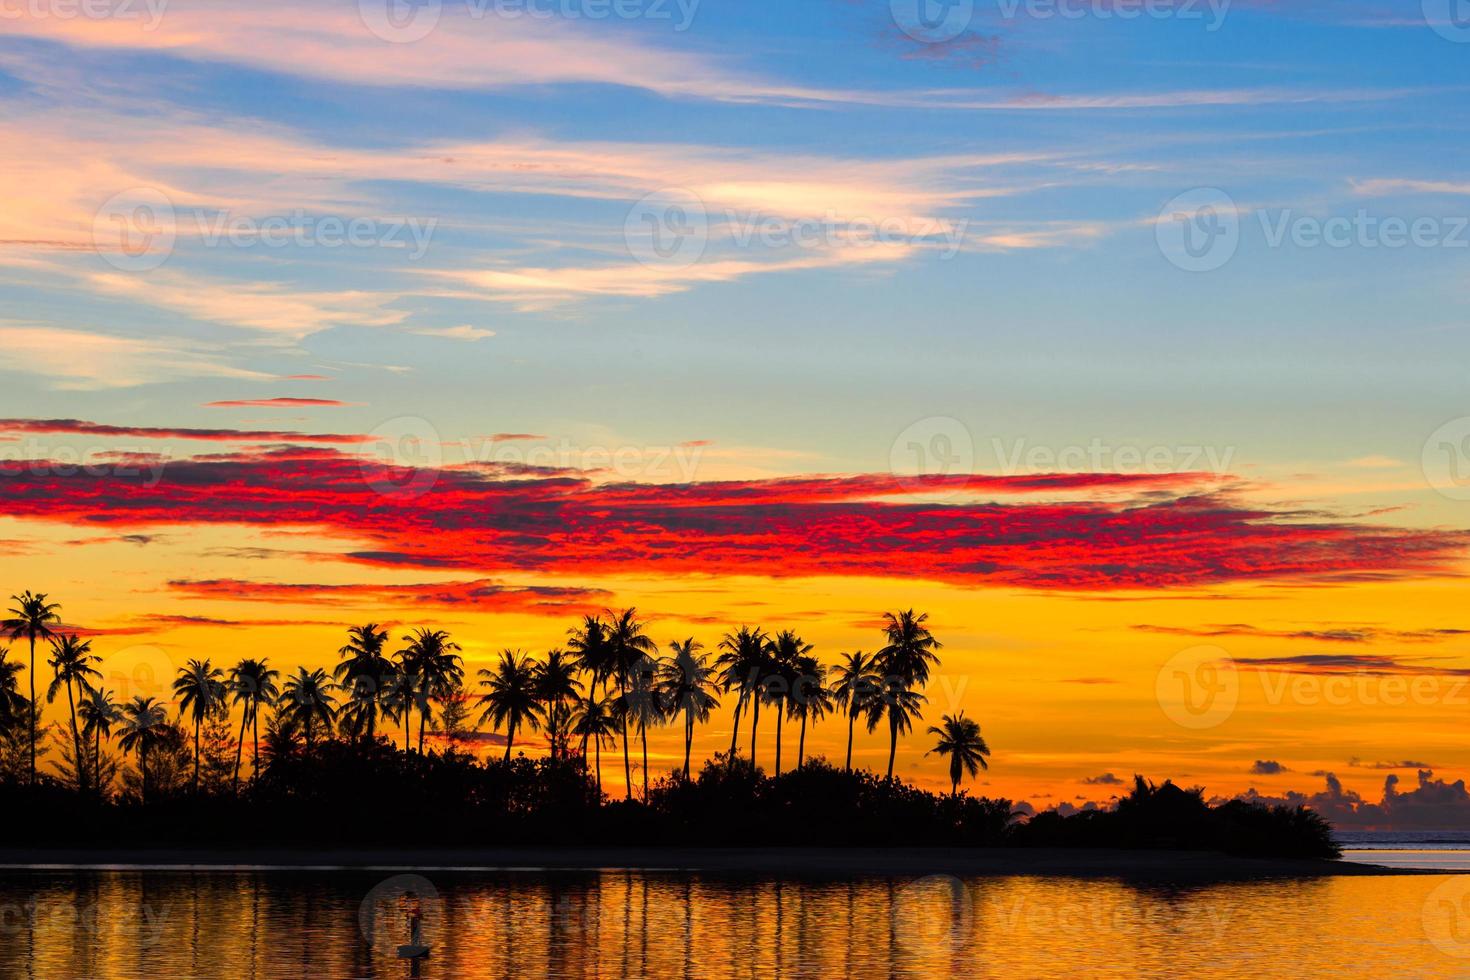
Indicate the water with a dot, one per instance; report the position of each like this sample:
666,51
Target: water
181,925
1445,850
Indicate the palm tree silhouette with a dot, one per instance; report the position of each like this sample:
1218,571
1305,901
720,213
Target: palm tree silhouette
308,700
13,705
742,660
71,661
591,650
902,706
641,703
252,683
432,660
904,662
854,685
960,739
781,676
32,617
363,672
596,720
810,699
99,713
201,690
510,696
142,730
687,684
557,688
628,646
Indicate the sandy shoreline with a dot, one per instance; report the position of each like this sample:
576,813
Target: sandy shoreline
825,862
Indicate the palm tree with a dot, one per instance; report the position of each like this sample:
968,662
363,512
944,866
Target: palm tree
687,684
904,661
596,720
810,699
363,672
589,645
557,688
201,690
854,685
640,702
510,696
13,705
781,678
252,683
628,646
431,660
143,724
71,661
741,660
99,713
960,739
902,705
308,700
32,617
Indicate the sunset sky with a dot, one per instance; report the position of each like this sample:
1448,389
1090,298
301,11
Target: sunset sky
483,315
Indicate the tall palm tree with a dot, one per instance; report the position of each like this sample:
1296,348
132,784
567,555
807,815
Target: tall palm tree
142,730
640,703
687,685
252,684
629,646
71,662
902,706
99,713
589,646
557,688
32,617
785,651
363,672
904,661
596,720
510,696
741,660
810,699
854,684
960,739
308,700
432,660
201,690
14,707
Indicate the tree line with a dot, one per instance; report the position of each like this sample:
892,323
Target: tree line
608,686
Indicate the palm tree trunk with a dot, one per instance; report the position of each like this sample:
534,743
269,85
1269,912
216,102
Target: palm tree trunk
407,728
643,736
196,754
801,744
892,743
97,757
510,737
35,714
627,764
423,720
143,767
598,750
735,729
76,741
779,716
255,740
688,740
755,712
851,719
240,747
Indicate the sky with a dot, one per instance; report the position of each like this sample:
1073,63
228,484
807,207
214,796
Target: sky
1125,339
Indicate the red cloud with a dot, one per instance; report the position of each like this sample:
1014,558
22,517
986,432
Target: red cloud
80,428
1050,531
279,403
480,593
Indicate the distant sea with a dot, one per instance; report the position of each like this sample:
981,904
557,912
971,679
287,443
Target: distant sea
1442,849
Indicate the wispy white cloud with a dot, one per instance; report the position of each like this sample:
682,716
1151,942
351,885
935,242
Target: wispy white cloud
84,360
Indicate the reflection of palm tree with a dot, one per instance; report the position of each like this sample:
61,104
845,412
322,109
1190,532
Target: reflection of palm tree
430,665
201,690
32,617
810,699
13,705
99,713
741,660
362,672
254,684
510,696
557,688
853,687
71,660
904,662
687,684
308,700
960,739
629,646
785,651
596,720
143,729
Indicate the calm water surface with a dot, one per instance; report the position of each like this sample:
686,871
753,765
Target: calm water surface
125,924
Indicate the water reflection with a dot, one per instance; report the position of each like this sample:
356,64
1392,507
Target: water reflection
120,925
